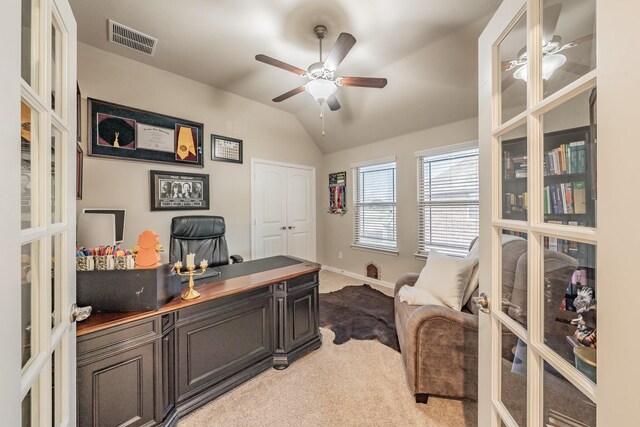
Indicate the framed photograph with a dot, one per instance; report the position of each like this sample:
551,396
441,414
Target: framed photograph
79,171
225,149
178,191
126,133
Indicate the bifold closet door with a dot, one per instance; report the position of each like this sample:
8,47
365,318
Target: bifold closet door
283,211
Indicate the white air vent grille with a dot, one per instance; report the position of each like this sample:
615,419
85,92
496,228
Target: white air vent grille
131,38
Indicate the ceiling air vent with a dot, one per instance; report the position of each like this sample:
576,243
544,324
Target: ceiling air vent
131,38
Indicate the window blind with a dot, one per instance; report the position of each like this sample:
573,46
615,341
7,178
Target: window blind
448,201
375,206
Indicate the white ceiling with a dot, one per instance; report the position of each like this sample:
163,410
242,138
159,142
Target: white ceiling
426,49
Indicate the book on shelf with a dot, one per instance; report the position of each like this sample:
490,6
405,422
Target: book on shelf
579,198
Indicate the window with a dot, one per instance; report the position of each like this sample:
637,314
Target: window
448,200
375,204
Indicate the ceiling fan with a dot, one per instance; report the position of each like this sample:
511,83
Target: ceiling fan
322,82
552,45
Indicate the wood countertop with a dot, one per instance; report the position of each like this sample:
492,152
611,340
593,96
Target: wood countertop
208,291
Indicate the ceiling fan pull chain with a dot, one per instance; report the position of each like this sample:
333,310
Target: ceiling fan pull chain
322,116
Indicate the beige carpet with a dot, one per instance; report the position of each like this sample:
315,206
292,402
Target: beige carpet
359,383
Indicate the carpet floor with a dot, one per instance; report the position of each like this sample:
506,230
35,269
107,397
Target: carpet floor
358,383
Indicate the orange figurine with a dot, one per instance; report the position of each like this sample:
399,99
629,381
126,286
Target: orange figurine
147,250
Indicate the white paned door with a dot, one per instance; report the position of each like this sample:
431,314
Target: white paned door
38,127
283,209
552,248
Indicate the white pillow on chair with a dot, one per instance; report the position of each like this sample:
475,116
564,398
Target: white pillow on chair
443,281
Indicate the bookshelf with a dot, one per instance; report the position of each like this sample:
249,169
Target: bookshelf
568,186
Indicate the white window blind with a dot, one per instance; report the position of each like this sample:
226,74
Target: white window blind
375,206
448,201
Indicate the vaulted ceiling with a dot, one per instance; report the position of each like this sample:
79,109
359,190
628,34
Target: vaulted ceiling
426,49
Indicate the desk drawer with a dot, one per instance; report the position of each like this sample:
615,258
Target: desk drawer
118,337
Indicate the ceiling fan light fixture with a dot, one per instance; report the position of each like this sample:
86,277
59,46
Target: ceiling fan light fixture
320,89
550,63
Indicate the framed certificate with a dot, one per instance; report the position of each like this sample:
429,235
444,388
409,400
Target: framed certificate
225,149
126,133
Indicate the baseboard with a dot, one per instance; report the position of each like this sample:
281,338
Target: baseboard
365,279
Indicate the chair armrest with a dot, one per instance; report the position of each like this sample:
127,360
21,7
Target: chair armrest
236,259
421,317
406,279
442,352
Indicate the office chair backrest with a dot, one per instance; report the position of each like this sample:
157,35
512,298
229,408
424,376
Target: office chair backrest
199,234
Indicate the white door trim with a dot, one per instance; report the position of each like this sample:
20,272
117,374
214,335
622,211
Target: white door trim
255,161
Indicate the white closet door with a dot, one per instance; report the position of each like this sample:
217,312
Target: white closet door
269,210
300,214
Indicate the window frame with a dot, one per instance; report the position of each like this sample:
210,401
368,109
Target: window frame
423,248
356,240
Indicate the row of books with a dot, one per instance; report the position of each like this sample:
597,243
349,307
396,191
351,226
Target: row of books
515,203
565,198
514,166
566,159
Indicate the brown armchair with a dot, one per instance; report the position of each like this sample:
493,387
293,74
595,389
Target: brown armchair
439,345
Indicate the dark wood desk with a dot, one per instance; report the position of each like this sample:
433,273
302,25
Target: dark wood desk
150,368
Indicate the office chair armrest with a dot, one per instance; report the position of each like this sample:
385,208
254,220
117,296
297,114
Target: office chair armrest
236,258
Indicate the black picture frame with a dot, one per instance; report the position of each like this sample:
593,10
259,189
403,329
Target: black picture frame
78,114
168,192
79,171
225,149
118,132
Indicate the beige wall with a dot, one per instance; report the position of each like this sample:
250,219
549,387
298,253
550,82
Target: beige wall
268,133
336,232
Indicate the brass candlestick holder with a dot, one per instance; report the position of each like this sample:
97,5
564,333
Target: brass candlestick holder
191,293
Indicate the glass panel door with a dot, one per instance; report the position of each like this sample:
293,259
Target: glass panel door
45,241
537,133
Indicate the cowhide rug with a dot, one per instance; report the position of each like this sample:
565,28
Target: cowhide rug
361,313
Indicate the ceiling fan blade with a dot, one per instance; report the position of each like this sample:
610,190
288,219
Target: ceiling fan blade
582,40
550,17
362,82
333,103
272,61
339,50
288,94
576,68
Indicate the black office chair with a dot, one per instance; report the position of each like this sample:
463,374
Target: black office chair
201,235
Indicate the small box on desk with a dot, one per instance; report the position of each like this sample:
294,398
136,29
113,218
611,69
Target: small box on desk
127,290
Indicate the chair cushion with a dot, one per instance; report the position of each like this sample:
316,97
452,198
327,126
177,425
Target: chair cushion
442,281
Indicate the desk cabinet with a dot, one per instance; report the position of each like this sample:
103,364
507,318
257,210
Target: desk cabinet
151,371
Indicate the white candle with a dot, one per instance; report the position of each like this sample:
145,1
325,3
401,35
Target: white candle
191,260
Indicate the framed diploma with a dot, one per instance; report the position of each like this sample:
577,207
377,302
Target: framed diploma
225,149
126,133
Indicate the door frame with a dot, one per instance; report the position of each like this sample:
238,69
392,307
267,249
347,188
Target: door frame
254,161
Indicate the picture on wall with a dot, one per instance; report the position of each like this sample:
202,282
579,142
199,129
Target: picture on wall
174,191
79,171
120,132
338,193
225,149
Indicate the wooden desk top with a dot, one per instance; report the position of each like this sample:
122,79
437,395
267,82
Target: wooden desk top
208,291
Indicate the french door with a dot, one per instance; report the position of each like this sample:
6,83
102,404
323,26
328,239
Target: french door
539,214
38,79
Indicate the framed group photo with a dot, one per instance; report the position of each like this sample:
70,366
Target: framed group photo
177,191
225,149
126,133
